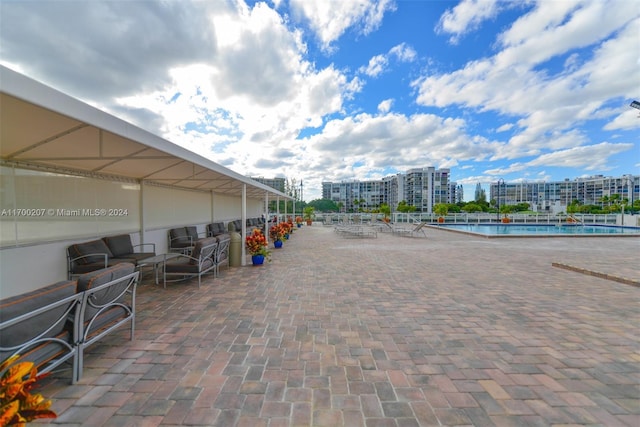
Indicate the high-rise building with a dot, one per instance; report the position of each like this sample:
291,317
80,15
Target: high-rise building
456,193
420,187
554,197
277,183
479,193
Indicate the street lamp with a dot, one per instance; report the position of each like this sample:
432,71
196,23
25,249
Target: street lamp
500,181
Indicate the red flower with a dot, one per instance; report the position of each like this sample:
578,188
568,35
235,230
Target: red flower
257,243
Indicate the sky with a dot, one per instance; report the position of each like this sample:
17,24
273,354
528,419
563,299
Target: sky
342,90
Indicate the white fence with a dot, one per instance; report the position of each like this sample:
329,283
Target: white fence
464,218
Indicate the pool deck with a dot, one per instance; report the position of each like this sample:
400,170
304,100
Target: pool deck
447,330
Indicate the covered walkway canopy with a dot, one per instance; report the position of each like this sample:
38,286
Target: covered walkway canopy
61,156
43,128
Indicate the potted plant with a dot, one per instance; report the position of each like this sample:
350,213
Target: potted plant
299,221
309,214
276,233
287,228
440,209
505,209
17,405
256,244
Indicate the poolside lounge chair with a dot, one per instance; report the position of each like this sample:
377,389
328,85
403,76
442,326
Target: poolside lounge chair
355,231
414,232
385,227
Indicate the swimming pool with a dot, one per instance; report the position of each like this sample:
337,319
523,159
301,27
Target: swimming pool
546,230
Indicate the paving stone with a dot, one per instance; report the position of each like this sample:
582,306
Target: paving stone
156,407
385,392
253,387
396,409
379,332
276,409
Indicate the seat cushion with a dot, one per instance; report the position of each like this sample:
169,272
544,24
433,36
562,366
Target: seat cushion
186,267
86,248
111,302
222,252
87,268
45,352
192,232
197,250
100,277
97,278
19,334
216,228
223,236
26,303
119,245
179,235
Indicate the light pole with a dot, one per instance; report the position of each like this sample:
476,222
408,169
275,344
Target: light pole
500,181
634,104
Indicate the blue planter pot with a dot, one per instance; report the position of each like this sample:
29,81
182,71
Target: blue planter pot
257,259
277,244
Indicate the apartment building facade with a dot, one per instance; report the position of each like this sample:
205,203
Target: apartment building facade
419,187
554,197
277,183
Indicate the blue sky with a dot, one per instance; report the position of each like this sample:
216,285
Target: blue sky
341,90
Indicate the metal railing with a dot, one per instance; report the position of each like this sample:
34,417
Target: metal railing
465,218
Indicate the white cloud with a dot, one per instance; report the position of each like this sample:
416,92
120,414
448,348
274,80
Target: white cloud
403,52
590,157
330,19
254,97
628,119
377,65
239,85
93,48
465,17
385,105
505,127
515,82
398,141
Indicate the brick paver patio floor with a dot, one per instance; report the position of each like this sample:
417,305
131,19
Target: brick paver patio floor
447,330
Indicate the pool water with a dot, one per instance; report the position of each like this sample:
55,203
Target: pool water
543,230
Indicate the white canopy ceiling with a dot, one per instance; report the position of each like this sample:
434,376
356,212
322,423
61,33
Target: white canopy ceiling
43,128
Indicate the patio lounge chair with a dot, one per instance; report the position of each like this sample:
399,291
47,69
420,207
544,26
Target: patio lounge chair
108,303
200,261
414,232
221,255
385,227
355,231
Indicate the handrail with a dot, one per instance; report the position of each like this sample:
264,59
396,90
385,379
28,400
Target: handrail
476,217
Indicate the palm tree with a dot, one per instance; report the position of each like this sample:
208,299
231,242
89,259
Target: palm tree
603,200
440,209
385,209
